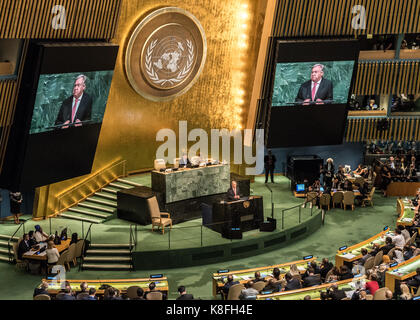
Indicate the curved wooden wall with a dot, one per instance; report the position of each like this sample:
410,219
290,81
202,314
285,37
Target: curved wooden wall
297,18
85,19
362,129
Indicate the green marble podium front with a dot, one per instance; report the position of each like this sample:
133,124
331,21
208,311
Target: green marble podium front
191,183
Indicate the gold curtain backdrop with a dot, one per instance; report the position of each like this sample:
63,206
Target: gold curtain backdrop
219,99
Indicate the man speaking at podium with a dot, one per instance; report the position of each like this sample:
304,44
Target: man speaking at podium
76,108
233,192
317,89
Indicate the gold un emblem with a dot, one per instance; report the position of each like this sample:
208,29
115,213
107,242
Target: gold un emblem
165,54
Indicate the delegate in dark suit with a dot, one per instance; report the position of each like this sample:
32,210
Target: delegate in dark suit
186,296
231,194
84,111
24,246
324,92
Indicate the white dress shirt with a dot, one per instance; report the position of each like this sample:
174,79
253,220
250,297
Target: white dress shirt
317,87
399,241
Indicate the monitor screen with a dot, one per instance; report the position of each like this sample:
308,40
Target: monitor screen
300,187
309,90
56,106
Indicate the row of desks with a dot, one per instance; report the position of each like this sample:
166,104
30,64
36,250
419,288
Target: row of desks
120,284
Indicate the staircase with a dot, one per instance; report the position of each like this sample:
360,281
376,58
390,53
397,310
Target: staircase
108,257
99,207
4,248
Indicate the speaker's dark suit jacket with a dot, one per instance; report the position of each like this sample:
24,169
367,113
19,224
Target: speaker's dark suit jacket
324,92
83,113
231,194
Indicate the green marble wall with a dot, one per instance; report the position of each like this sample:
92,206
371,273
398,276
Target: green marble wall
192,183
54,88
289,77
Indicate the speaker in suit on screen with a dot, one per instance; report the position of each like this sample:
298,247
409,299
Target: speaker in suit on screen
317,89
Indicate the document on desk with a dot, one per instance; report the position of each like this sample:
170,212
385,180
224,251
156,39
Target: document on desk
348,256
246,278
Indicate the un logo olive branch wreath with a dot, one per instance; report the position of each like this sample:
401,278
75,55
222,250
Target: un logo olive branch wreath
154,77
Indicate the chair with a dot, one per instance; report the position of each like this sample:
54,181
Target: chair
369,263
132,292
235,291
328,274
378,258
158,217
82,295
311,197
59,295
369,297
369,198
72,254
154,295
348,199
159,164
360,181
337,198
79,248
62,260
412,239
21,265
259,285
325,200
42,297
391,253
380,294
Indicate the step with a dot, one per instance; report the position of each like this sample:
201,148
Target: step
6,237
120,186
107,258
5,259
96,207
103,202
88,213
4,243
106,195
106,266
69,216
109,190
6,251
134,184
109,245
112,251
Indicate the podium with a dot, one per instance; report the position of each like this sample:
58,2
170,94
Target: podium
241,215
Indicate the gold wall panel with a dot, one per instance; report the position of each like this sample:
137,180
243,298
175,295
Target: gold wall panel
85,19
219,99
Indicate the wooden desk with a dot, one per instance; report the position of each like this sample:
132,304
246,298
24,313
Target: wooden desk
402,189
313,292
355,250
120,284
30,255
245,275
406,214
401,272
299,195
356,193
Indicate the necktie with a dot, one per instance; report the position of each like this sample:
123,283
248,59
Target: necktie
73,110
313,91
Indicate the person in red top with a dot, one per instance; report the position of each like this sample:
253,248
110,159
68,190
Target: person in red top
373,284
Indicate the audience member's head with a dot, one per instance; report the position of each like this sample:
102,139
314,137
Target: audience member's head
311,271
50,245
84,286
257,275
388,240
388,294
307,297
288,276
44,285
181,290
364,251
249,284
92,291
398,231
230,278
31,234
140,292
276,273
386,259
